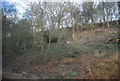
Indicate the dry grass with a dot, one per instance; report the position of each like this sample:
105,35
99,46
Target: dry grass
105,68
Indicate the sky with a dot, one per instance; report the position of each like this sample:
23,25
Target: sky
58,0
21,4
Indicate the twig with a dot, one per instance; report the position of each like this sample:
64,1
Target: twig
90,71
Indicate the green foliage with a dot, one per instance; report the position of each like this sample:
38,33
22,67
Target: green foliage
63,34
18,38
73,51
87,27
107,47
66,50
58,48
74,74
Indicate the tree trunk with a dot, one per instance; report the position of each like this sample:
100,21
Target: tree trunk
73,33
18,41
117,22
108,25
42,47
77,28
103,14
34,39
100,20
73,36
59,33
103,11
93,23
103,21
24,46
103,24
49,42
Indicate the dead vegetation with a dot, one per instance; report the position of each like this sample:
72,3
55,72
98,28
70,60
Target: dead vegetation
71,61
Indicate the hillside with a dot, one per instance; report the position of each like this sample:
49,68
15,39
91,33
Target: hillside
92,55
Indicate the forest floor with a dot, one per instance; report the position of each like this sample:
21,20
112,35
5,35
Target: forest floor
92,55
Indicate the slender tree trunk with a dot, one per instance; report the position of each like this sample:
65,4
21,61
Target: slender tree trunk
73,36
34,38
18,41
111,17
77,28
100,20
119,9
59,33
93,23
108,25
42,45
117,22
103,14
25,46
49,44
73,33
103,24
103,21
